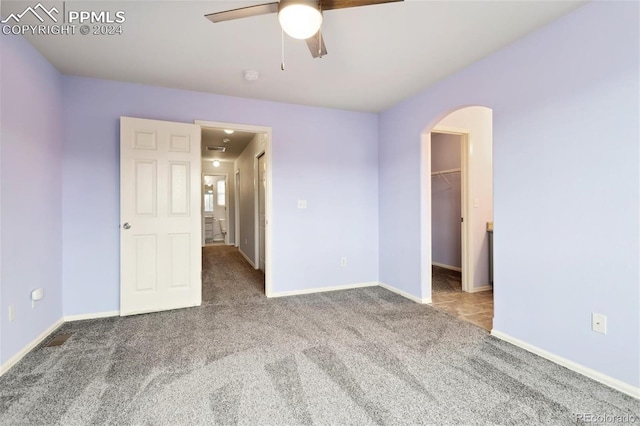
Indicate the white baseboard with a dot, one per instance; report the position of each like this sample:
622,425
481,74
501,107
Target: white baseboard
247,258
442,265
80,317
416,299
35,342
578,368
482,288
323,289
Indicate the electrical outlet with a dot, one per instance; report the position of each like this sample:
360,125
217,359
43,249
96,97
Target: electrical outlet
302,204
36,295
343,262
599,323
12,313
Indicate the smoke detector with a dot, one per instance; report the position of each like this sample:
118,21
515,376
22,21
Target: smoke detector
251,75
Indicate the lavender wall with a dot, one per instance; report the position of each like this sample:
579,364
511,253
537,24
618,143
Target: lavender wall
328,157
446,200
30,186
566,174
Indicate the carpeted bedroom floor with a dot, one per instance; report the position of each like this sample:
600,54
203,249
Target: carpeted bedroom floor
355,357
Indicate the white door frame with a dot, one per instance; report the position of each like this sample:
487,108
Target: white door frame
236,188
256,204
426,257
226,201
267,131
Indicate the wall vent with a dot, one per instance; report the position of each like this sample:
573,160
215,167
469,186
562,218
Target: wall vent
59,339
217,148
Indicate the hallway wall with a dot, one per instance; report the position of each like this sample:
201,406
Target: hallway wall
246,165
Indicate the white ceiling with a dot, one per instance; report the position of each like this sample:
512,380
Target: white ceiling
238,141
378,55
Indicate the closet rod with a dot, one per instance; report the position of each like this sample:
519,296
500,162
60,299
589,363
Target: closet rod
446,172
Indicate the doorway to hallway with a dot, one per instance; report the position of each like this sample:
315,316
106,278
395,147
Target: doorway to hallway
240,153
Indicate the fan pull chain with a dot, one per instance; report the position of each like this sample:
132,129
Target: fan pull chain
282,46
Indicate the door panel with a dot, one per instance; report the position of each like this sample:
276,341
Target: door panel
160,256
179,197
180,246
145,262
145,188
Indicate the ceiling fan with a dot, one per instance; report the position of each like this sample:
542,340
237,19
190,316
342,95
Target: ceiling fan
300,19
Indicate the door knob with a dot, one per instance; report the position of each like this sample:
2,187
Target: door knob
126,225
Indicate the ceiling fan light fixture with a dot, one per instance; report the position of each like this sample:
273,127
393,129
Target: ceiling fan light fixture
300,19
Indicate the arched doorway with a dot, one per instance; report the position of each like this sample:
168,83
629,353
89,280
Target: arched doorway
456,212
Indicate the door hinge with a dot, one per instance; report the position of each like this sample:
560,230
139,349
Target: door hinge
462,220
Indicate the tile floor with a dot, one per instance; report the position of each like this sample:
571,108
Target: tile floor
476,308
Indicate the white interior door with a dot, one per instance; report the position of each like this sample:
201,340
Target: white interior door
262,188
160,224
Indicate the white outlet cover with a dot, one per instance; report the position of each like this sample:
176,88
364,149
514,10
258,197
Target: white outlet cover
599,323
302,204
37,294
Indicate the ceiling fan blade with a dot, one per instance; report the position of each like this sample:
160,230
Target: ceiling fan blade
314,45
343,4
243,12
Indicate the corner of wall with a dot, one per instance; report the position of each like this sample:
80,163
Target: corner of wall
30,163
